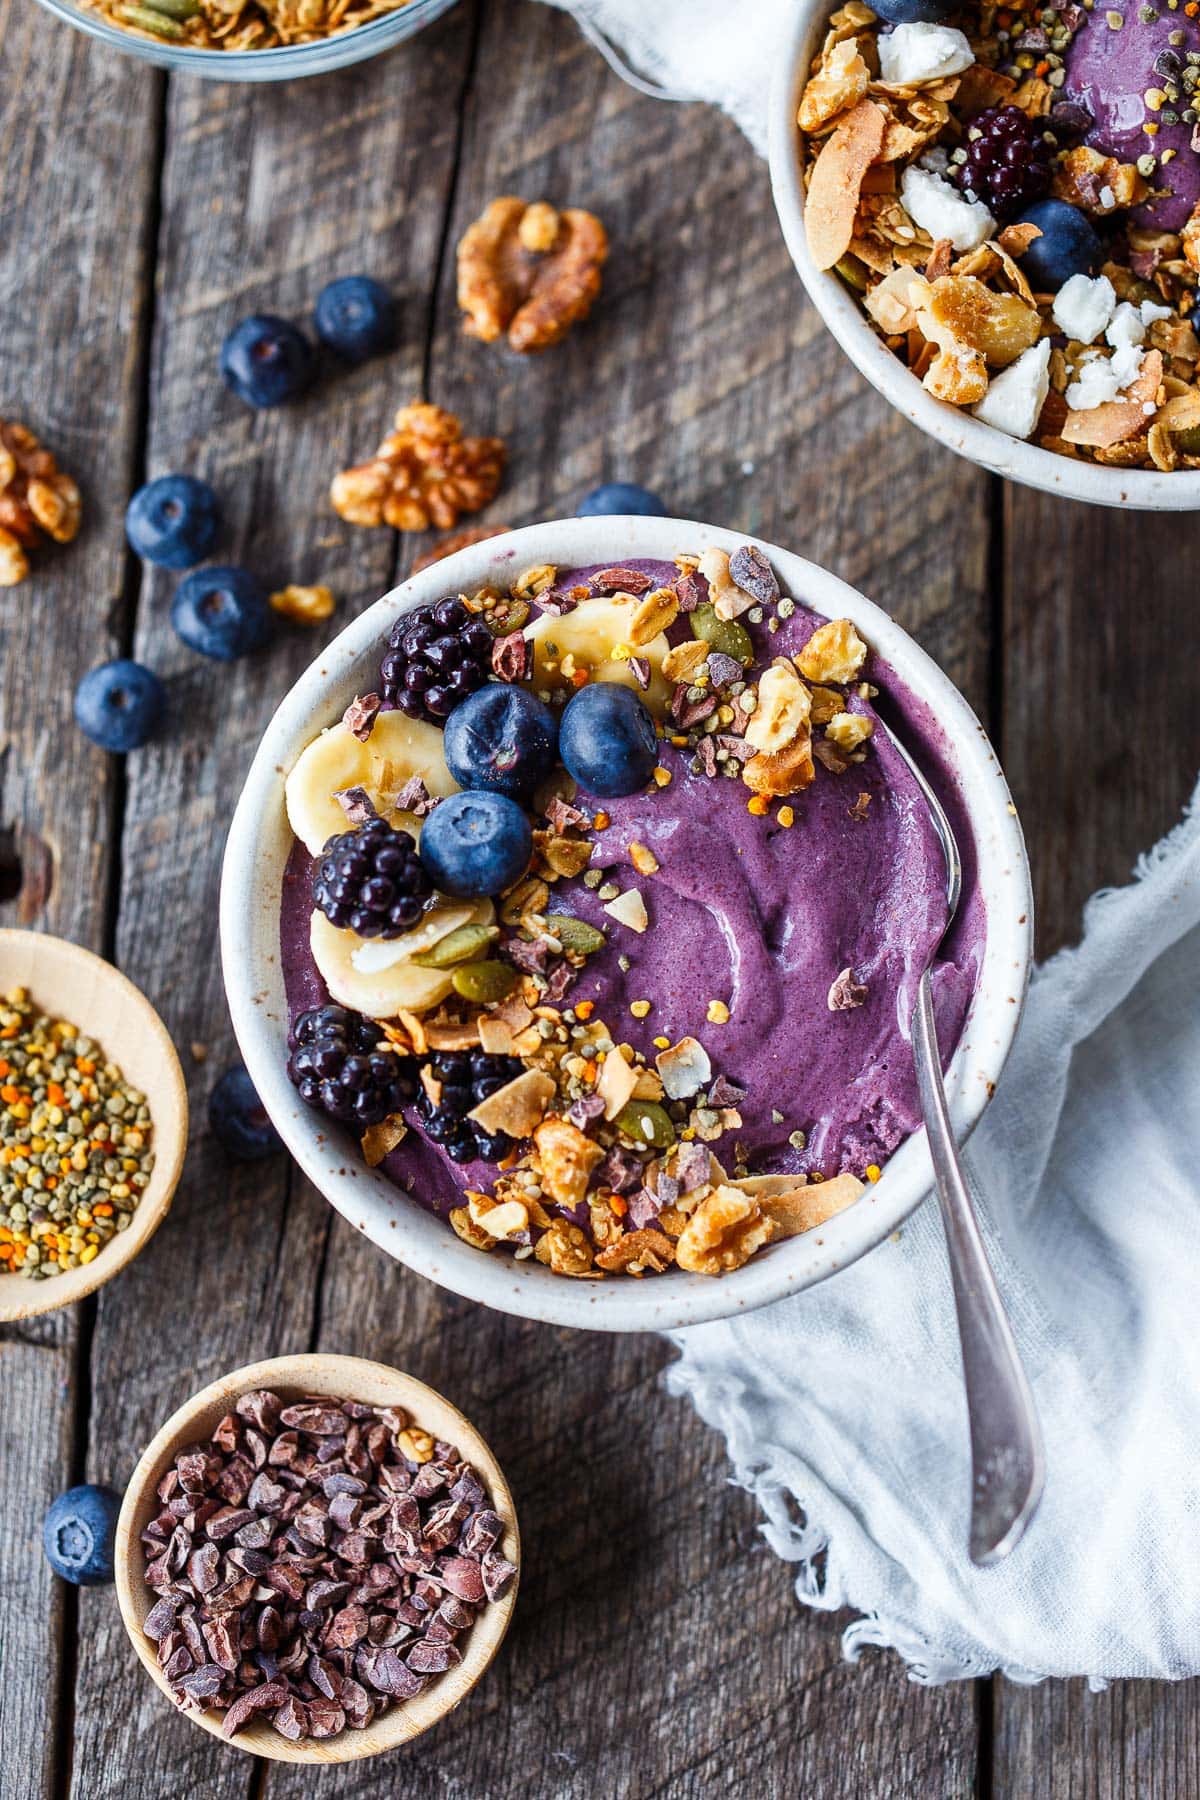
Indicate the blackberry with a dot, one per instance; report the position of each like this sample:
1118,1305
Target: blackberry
370,880
337,1066
467,1077
1008,161
436,656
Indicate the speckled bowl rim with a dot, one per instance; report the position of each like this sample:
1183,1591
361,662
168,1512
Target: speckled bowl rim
259,843
1142,489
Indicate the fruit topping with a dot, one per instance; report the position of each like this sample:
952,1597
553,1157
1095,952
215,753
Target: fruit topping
1007,163
621,497
436,656
399,764
267,360
119,705
501,738
1069,245
238,1119
78,1534
461,1081
476,844
221,612
913,12
356,317
172,521
371,881
338,1066
607,740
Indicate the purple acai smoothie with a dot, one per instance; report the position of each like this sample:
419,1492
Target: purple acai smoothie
753,915
1130,68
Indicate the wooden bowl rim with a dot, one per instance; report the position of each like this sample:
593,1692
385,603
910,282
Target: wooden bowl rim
24,1299
339,1377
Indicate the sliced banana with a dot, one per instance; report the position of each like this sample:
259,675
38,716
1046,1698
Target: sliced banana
379,995
589,635
375,954
398,748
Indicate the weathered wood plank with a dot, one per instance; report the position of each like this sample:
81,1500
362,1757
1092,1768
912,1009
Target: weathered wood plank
1101,726
73,278
267,193
1060,1742
657,1647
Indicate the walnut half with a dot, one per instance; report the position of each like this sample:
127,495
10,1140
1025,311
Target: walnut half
529,271
37,500
424,473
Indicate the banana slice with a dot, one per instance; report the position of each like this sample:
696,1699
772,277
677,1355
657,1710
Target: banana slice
381,993
376,954
590,634
397,748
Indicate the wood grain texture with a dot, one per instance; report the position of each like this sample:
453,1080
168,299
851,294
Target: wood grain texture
73,276
1138,1740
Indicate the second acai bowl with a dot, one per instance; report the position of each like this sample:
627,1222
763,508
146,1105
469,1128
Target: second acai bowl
573,911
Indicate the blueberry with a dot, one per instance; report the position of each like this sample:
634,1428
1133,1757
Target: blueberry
356,316
220,612
78,1533
621,497
266,360
501,738
916,12
475,844
607,741
1069,245
119,704
172,521
238,1120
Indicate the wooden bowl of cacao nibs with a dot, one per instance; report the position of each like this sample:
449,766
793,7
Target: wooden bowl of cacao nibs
317,1558
93,1122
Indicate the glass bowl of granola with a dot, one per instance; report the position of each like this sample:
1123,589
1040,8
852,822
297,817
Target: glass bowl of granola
994,212
609,1026
250,40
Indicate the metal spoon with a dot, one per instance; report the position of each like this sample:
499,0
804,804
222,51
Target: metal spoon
1007,1463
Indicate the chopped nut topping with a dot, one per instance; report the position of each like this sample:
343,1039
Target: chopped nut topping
723,1233
305,605
846,993
849,730
567,1159
638,1253
37,499
783,709
517,275
424,473
565,1249
654,614
834,652
643,859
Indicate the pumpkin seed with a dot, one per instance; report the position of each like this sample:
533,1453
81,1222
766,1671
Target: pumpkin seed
646,1123
484,981
146,19
725,635
575,934
509,616
175,9
463,945
1188,439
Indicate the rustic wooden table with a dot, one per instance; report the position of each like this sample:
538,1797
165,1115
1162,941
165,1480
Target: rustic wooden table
658,1648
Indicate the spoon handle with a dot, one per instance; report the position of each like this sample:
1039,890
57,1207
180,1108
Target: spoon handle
1007,1467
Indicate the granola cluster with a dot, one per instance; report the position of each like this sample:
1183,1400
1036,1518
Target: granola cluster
240,24
620,1161
895,128
38,500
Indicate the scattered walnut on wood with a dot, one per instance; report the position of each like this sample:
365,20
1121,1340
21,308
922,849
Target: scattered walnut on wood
529,272
37,500
424,473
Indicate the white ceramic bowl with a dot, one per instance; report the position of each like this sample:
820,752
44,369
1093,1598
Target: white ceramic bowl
1147,489
260,841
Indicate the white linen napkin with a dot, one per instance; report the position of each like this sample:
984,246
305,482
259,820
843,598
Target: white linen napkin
846,1402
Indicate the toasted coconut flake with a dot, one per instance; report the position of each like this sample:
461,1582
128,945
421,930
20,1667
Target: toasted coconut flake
794,1207
837,179
629,909
379,1140
495,1035
1102,426
616,1083
518,1106
685,1068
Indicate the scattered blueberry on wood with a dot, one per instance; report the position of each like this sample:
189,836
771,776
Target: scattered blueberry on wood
267,360
173,521
221,612
238,1119
78,1534
621,497
119,705
356,317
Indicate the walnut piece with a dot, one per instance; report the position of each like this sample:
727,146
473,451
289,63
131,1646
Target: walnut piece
37,500
424,473
638,1253
834,652
529,272
723,1233
564,1249
567,1158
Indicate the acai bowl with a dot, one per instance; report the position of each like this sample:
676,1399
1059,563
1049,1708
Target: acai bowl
1011,260
738,951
